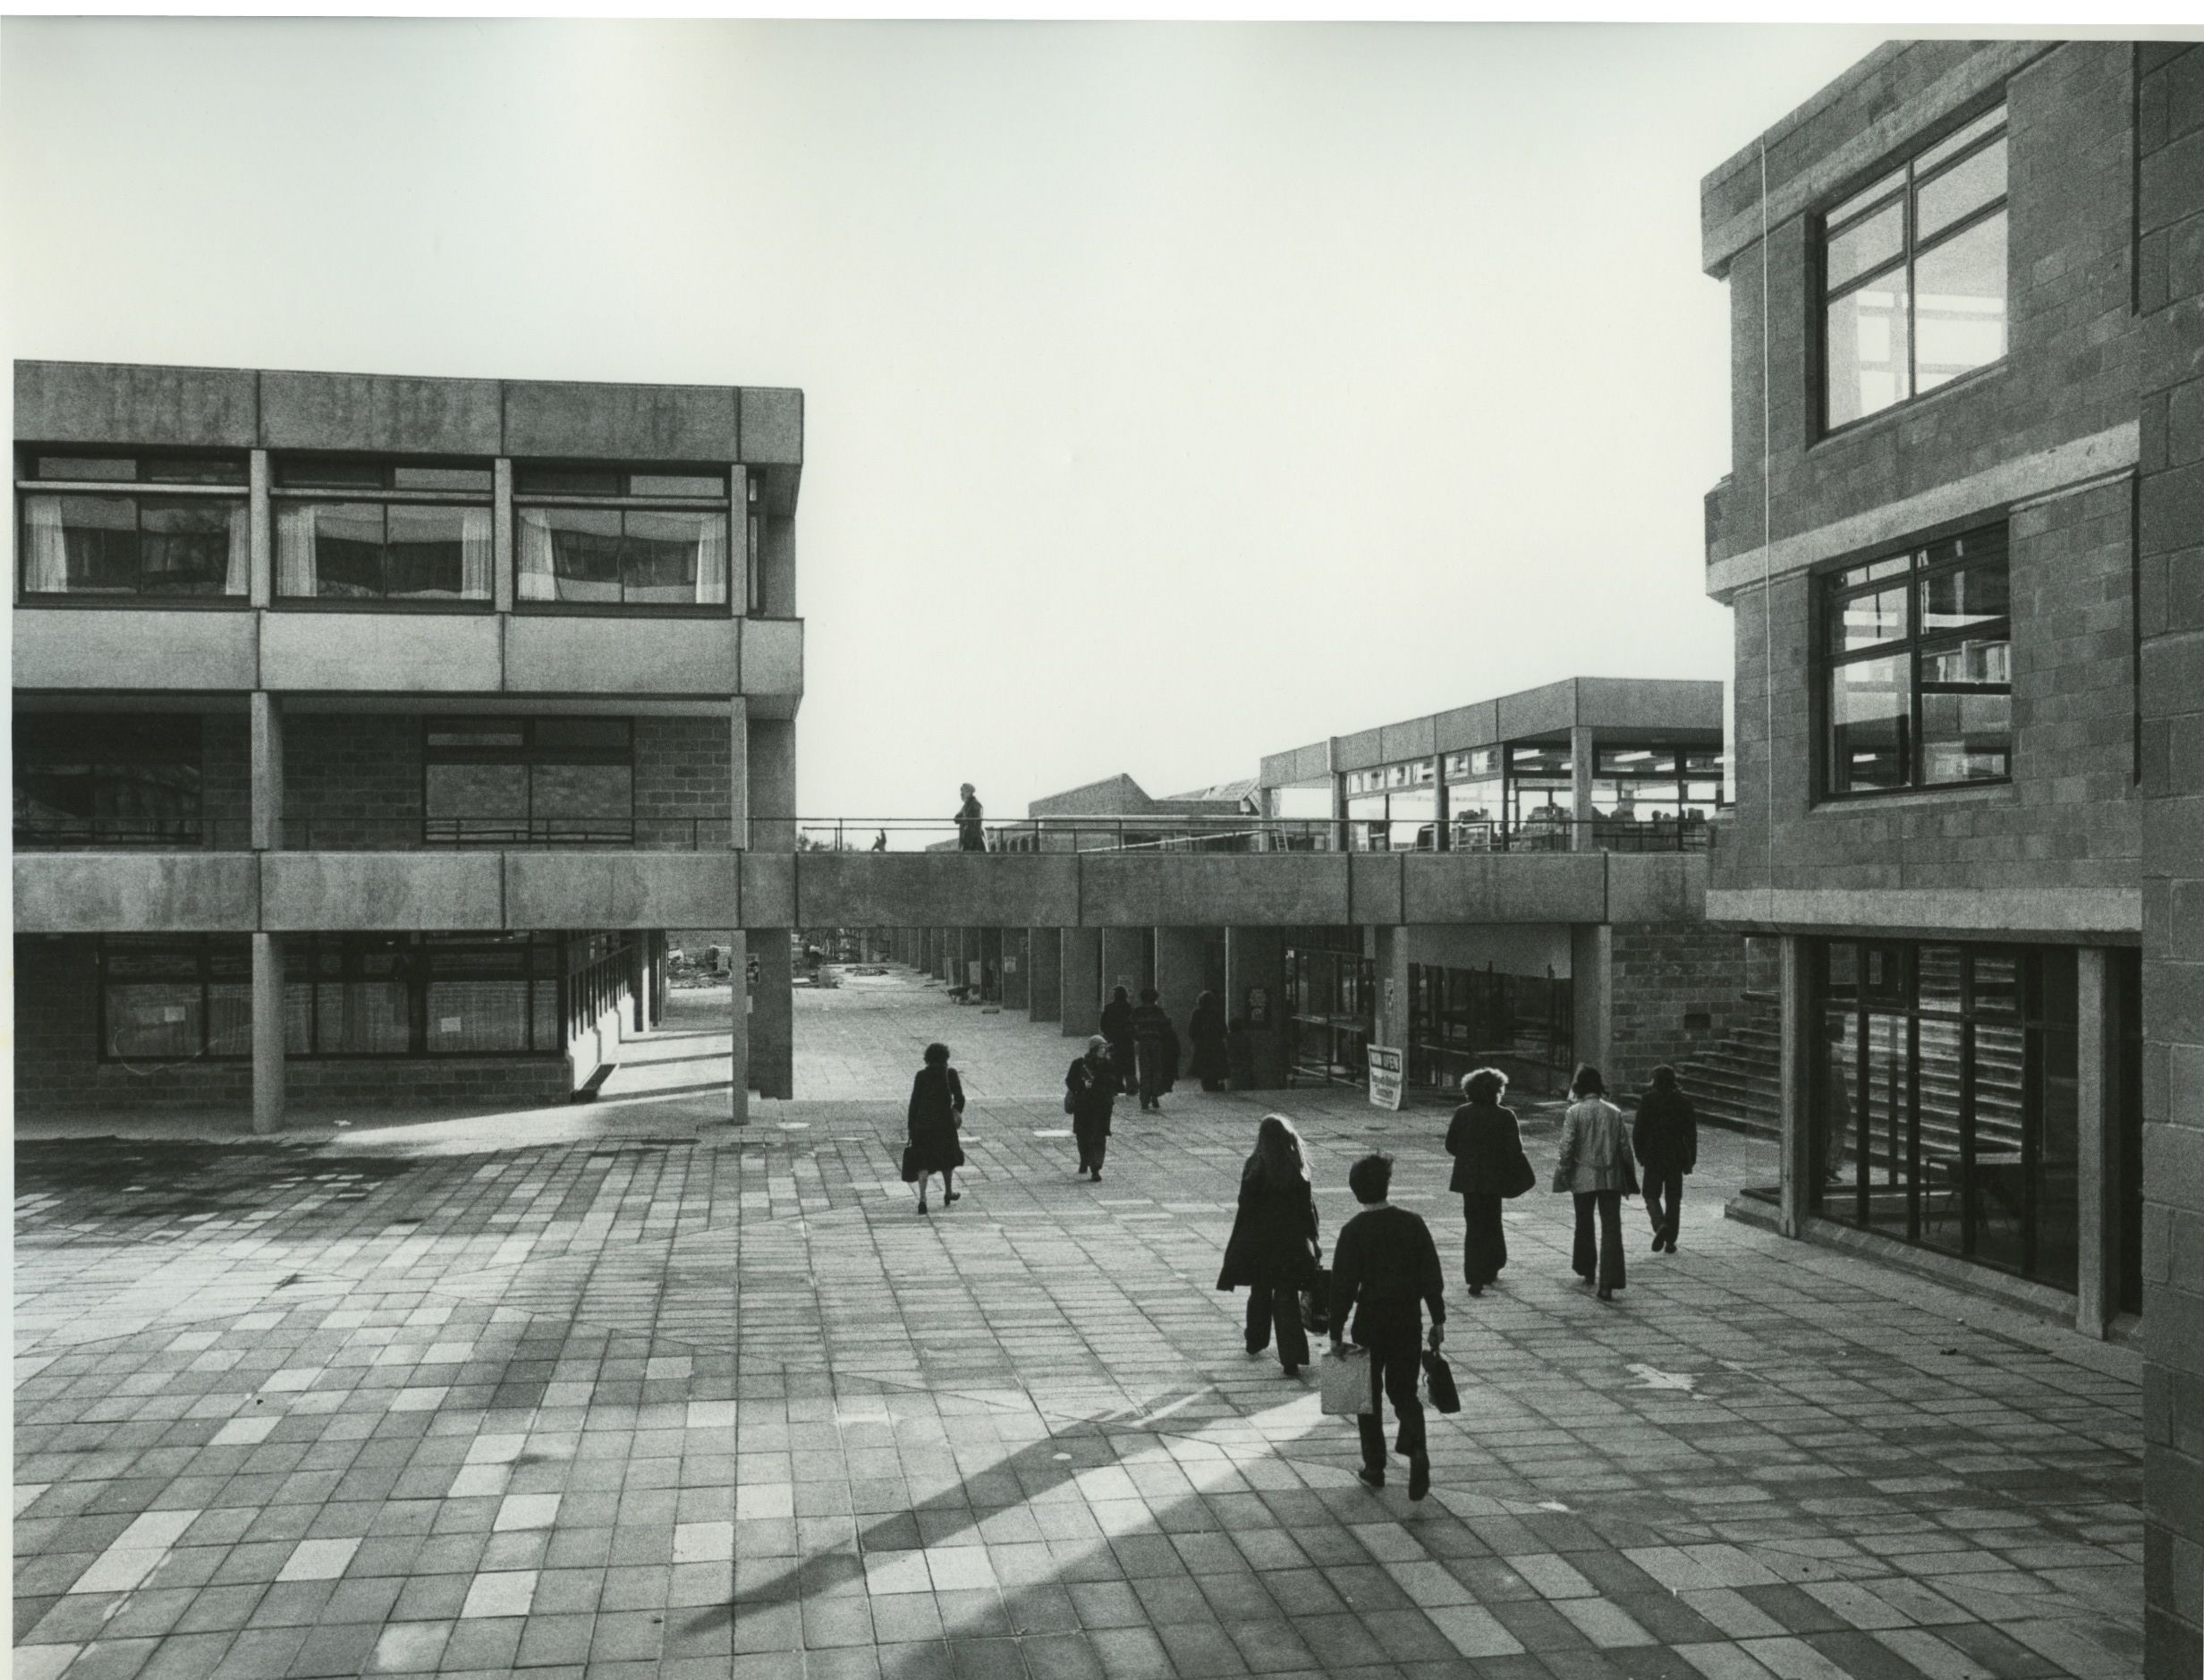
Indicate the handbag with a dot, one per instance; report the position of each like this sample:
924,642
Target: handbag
1521,1177
1315,1301
1071,1103
911,1173
1345,1382
1438,1382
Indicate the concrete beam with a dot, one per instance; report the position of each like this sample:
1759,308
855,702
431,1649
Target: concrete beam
118,892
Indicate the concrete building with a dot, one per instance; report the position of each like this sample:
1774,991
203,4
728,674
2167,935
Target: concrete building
1959,540
370,730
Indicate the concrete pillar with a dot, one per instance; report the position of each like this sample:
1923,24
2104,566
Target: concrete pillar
1255,981
2098,1187
1079,982
267,771
1389,967
259,532
772,1016
773,783
267,1032
1581,786
1043,979
1182,966
738,841
502,567
738,959
777,567
1794,1076
1591,991
1125,962
1016,968
638,982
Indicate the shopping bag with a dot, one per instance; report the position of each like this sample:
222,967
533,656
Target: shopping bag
1438,1382
1345,1382
1315,1301
911,1175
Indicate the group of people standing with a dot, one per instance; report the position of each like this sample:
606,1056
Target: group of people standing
1144,1046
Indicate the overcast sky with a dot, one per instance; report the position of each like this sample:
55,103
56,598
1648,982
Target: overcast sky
1175,394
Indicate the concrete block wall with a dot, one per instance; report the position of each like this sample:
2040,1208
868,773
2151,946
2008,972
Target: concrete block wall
1663,977
2170,564
683,770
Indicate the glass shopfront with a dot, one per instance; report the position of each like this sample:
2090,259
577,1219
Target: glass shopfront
1330,1006
1392,807
1464,1019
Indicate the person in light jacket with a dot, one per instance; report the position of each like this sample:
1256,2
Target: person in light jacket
1595,1166
1488,1148
1273,1248
1666,1136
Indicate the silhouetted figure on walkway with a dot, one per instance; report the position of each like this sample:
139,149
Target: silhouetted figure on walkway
1208,1044
1386,1271
1595,1166
1665,1137
936,1111
972,834
1155,1050
1117,1028
1489,1167
1090,1089
1272,1251
880,841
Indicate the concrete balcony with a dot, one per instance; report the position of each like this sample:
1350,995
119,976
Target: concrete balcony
108,647
133,892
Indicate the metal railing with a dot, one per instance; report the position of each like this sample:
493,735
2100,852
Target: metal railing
193,834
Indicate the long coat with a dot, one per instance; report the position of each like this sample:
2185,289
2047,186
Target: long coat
1156,1041
1093,1089
1488,1148
937,1106
1595,1149
1665,1133
1273,1236
1204,1032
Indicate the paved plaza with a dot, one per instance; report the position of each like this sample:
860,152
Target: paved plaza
622,1390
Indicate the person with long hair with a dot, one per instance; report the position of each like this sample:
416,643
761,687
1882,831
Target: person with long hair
1273,1248
936,1111
1489,1167
1595,1167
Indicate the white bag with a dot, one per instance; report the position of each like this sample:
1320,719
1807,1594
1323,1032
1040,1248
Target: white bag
1344,1380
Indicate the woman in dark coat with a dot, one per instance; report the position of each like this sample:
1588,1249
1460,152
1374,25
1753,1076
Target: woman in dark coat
1156,1045
1665,1139
936,1111
1209,1059
1489,1167
1091,1085
1273,1247
1117,1028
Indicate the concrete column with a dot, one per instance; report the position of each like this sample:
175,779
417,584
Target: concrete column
1255,964
1795,1077
260,532
738,841
1079,982
773,783
1390,968
2098,1188
777,563
1181,969
1016,967
1591,991
1043,979
772,1015
267,1032
1580,786
968,949
504,555
1125,962
638,982
267,771
738,959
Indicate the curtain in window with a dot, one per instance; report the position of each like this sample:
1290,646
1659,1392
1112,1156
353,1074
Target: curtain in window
237,577
537,582
475,553
712,563
295,572
46,570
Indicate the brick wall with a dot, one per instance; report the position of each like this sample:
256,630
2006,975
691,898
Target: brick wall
353,779
682,772
2170,559
1664,977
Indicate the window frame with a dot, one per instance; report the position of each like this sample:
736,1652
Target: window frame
233,491
529,756
1907,180
1913,646
200,946
106,761
386,494
736,523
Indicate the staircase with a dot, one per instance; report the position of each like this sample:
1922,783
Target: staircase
1734,1083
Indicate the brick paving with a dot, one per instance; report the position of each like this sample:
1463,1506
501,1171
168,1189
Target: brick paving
625,1391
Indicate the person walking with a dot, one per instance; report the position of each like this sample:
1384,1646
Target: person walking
1155,1050
1665,1137
1090,1086
1489,1167
880,841
971,836
936,1111
1386,1271
1272,1251
1117,1028
1595,1166
1209,1055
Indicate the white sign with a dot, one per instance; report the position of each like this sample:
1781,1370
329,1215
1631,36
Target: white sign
1386,1068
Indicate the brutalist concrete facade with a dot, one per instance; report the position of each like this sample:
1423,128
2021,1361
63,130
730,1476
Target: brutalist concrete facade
578,607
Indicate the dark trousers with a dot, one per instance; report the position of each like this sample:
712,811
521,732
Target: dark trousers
1093,1145
1664,1201
1280,1304
1484,1244
1604,1255
1397,1366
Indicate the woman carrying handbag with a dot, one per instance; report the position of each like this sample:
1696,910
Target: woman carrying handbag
1489,1167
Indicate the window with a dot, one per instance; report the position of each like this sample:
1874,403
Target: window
366,994
170,998
394,531
1657,784
496,781
1919,660
622,537
89,531
1914,276
107,779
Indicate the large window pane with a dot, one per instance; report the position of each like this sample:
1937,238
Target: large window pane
478,1017
1959,303
584,551
1869,715
80,544
1965,597
1833,1174
427,553
184,547
1966,737
1999,1177
1959,192
1868,621
1864,337
1866,245
347,550
2054,1145
1885,1145
1943,1223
